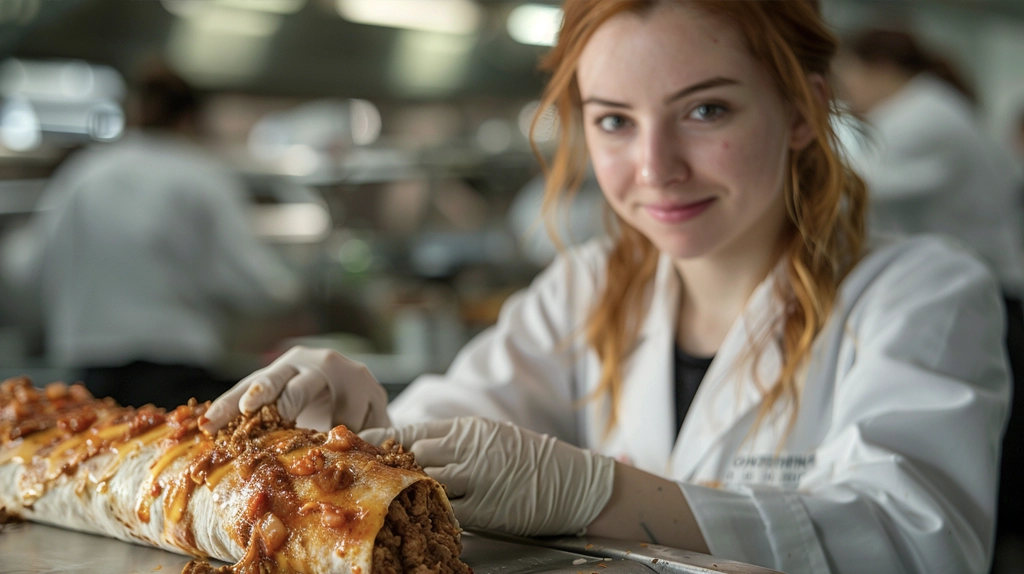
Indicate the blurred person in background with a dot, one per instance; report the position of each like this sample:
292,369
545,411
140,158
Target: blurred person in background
930,168
928,165
143,254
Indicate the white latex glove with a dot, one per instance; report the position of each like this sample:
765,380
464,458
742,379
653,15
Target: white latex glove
505,478
319,388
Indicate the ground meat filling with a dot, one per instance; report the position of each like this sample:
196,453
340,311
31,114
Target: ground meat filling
418,536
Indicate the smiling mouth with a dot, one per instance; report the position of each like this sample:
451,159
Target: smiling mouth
677,213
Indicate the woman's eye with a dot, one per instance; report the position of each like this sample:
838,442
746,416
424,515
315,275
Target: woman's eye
708,112
611,123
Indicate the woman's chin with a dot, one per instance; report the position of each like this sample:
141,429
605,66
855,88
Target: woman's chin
681,247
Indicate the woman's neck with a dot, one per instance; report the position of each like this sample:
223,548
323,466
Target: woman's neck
716,289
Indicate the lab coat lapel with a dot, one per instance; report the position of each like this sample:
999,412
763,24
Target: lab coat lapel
647,416
726,401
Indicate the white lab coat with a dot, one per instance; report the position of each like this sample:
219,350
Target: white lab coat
930,169
143,251
891,466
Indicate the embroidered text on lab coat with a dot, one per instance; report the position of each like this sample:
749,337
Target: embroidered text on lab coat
780,470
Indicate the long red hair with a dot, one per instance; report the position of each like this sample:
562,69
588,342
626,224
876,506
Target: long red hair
826,201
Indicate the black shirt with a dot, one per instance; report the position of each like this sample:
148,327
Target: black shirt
690,372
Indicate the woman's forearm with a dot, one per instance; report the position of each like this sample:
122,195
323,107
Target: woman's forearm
650,508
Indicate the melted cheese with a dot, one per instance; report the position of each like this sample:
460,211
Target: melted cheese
22,450
129,447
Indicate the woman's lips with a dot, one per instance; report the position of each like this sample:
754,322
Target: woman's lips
678,212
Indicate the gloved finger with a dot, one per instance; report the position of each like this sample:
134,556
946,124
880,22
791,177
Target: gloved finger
299,392
454,476
223,409
353,391
377,436
434,451
409,434
360,408
378,413
316,415
264,387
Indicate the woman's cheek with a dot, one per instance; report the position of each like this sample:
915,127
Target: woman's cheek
613,174
741,163
717,159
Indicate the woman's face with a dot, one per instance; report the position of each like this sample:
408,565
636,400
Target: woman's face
687,133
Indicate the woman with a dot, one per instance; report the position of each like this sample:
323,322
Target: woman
850,416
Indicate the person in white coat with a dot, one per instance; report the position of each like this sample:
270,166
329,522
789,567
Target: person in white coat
143,253
855,389
928,165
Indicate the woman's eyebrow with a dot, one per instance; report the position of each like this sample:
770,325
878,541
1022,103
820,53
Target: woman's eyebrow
705,85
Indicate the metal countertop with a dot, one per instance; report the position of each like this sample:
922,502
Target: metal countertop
28,548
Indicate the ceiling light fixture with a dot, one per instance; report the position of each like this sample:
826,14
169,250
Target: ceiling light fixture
446,16
534,24
199,8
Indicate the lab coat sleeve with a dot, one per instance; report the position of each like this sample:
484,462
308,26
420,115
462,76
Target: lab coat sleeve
243,272
521,369
906,476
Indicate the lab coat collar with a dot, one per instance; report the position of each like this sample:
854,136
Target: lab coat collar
647,408
728,392
731,391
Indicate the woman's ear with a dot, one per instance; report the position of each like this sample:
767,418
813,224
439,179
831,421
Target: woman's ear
802,132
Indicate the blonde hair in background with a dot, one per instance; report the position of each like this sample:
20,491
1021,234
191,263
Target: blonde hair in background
825,200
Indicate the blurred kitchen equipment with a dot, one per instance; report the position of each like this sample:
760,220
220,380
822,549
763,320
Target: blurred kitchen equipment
69,101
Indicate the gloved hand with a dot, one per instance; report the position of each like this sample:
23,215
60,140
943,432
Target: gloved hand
505,478
320,385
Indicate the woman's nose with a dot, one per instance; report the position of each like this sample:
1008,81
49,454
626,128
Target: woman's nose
661,160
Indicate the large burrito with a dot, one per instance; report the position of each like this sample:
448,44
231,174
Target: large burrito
262,494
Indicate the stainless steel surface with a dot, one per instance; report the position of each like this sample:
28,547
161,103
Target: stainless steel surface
28,548
661,559
37,549
489,555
